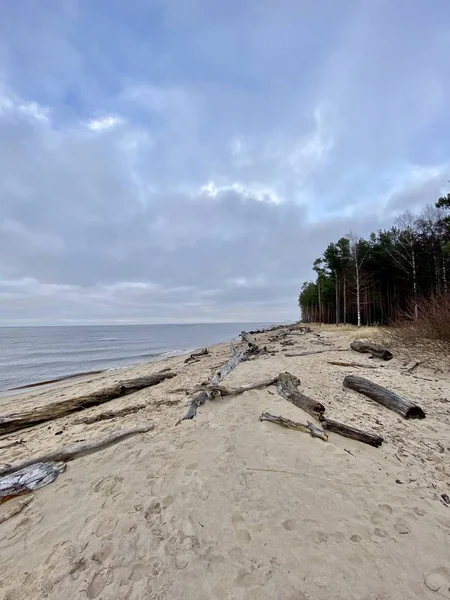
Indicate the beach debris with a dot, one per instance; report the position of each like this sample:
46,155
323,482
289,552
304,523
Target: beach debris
195,356
373,349
308,428
224,391
28,478
287,387
388,399
351,432
287,342
55,410
445,499
110,414
211,388
68,453
15,507
412,366
338,363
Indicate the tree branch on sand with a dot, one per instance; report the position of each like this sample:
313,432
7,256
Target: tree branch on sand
41,414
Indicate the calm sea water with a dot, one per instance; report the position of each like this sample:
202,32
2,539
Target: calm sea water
33,354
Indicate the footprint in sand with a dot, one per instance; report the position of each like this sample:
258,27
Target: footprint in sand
106,526
108,486
438,580
240,528
98,583
201,489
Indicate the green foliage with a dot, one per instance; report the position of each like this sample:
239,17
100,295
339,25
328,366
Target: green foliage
396,267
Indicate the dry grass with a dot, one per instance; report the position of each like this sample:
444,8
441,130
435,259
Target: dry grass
429,334
355,332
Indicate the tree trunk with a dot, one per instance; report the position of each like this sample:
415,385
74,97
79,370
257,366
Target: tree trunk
288,388
345,301
49,412
358,297
444,274
337,298
385,397
351,432
414,274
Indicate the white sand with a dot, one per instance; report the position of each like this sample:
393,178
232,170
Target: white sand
226,507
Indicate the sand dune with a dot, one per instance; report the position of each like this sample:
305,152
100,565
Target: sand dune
226,507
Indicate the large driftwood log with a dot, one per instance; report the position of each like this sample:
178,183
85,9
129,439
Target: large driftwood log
200,398
76,450
385,397
373,349
211,392
352,432
308,428
288,388
28,479
55,410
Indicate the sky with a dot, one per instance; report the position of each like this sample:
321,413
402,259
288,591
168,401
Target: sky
187,160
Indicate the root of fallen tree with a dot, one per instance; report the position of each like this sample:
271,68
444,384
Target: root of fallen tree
308,428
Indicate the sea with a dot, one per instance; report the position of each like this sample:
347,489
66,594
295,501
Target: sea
31,355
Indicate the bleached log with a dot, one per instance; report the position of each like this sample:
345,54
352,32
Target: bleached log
308,428
55,410
28,478
76,450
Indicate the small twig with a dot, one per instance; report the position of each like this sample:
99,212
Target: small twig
349,451
338,363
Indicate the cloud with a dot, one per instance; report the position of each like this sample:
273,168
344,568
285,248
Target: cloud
104,123
158,164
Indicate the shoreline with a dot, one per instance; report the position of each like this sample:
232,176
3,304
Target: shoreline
158,356
241,507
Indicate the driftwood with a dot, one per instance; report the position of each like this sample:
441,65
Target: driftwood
385,397
338,363
351,432
76,450
224,391
212,385
196,355
308,428
287,342
208,394
315,352
41,414
110,414
373,349
30,477
288,388
248,339
16,508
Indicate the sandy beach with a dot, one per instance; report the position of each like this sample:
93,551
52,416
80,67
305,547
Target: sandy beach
227,507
